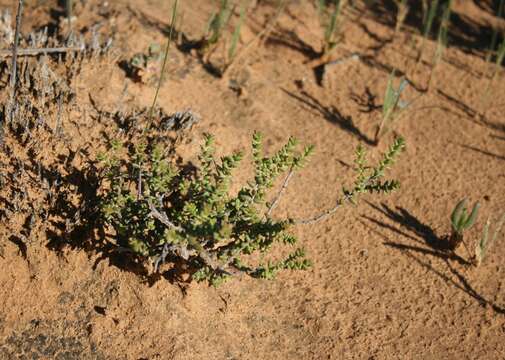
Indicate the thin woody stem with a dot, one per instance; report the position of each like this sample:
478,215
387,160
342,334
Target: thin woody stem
327,213
318,217
279,194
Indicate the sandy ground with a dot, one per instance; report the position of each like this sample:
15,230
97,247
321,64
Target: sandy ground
379,287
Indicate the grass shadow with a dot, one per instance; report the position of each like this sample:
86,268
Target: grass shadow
331,114
484,152
291,40
472,114
461,283
467,33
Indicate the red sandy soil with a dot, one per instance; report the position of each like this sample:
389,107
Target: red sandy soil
378,288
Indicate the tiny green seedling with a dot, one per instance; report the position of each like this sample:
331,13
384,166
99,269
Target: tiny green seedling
500,56
331,21
165,57
217,23
461,220
485,242
393,106
429,18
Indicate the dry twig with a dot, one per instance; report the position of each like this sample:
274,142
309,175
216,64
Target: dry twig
39,51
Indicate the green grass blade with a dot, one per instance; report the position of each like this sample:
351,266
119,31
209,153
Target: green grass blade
332,25
480,250
501,54
485,243
497,230
236,33
431,16
389,96
443,31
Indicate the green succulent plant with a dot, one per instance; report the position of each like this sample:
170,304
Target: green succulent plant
160,212
461,220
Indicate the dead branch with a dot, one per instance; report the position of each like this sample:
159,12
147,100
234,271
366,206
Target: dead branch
39,51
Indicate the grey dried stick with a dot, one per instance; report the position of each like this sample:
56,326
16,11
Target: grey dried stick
36,51
13,81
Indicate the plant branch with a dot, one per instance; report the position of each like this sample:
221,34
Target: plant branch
162,217
207,258
319,217
327,213
279,194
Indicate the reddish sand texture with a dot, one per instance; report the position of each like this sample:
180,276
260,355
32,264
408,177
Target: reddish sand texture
379,288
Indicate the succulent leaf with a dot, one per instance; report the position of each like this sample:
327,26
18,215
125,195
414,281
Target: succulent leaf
469,221
456,213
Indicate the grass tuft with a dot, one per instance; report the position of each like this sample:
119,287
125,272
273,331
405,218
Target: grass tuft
331,21
393,105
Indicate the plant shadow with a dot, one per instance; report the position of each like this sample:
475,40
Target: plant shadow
331,114
484,152
438,247
366,101
471,114
291,40
415,229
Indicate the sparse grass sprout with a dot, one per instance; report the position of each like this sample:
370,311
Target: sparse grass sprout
393,105
331,21
485,242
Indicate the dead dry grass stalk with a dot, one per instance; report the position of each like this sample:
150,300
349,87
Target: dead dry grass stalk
169,41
